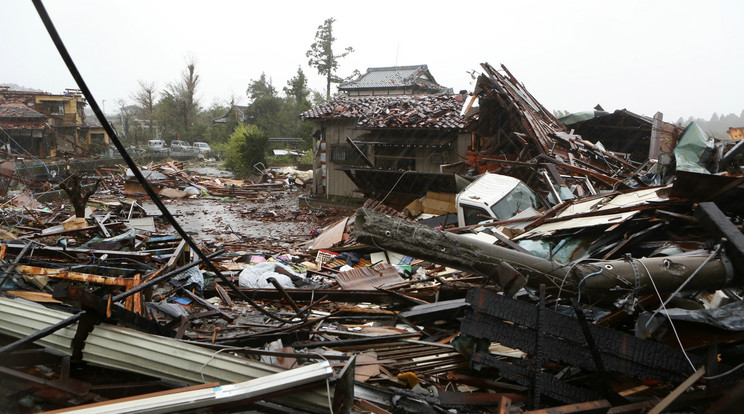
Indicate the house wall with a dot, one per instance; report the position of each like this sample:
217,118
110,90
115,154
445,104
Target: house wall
338,185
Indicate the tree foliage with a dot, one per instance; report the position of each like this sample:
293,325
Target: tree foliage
717,126
298,91
144,98
247,147
178,107
322,56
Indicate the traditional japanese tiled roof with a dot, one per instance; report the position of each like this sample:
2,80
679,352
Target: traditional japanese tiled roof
395,77
402,111
20,111
14,115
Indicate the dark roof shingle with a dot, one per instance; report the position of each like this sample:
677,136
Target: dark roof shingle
395,77
19,111
421,111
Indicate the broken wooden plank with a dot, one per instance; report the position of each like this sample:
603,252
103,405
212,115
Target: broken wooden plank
664,403
32,271
718,225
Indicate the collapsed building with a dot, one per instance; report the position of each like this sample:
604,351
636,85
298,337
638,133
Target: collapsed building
597,280
45,125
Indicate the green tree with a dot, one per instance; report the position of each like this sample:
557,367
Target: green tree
297,94
266,109
297,90
322,57
219,133
144,99
179,106
247,147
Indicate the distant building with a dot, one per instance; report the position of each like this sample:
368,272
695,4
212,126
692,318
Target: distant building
65,128
394,80
24,130
235,113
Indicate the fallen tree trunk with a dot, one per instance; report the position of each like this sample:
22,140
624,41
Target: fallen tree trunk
593,278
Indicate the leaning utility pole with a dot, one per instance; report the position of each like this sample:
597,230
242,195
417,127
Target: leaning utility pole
593,278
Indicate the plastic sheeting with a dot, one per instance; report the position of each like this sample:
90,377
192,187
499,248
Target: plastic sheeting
255,276
729,317
693,150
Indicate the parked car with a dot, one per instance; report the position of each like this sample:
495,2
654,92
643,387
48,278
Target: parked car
202,148
180,146
157,145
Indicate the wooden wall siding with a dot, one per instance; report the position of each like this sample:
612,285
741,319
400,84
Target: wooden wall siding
339,185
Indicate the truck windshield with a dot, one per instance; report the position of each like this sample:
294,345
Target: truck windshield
517,200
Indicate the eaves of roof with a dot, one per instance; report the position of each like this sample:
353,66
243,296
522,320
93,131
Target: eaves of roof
371,112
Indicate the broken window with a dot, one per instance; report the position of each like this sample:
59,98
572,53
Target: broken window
519,199
54,107
474,215
346,155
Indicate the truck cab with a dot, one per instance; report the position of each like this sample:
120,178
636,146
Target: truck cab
494,196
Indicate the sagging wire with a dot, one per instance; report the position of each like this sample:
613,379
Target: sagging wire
328,384
708,259
65,55
563,281
22,215
724,373
674,329
29,154
393,188
214,355
578,287
311,207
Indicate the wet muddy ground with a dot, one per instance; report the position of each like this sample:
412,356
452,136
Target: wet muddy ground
277,218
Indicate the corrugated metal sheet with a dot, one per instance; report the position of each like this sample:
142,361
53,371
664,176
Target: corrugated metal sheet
133,351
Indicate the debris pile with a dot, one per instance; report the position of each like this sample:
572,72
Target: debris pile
566,277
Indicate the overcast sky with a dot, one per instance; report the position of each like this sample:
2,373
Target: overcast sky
679,57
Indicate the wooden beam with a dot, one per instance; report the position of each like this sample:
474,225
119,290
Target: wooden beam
663,404
31,271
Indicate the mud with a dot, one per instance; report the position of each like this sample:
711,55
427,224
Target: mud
276,218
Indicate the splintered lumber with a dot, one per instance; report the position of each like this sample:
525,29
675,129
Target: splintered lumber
717,224
512,323
33,271
603,278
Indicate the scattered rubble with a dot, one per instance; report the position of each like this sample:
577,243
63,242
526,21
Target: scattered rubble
568,278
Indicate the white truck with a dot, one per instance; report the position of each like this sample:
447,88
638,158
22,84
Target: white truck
494,196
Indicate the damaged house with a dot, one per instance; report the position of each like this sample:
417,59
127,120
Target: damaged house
633,136
366,143
65,129
24,128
